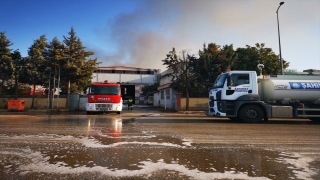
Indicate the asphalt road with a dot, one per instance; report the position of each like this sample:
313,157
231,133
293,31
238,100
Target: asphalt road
155,144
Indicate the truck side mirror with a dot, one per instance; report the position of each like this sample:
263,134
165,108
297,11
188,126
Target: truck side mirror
229,81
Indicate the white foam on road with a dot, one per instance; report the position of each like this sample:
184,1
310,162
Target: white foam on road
40,164
93,143
300,164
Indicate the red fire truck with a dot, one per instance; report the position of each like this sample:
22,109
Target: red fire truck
104,97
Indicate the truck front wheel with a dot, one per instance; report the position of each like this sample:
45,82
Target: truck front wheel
251,114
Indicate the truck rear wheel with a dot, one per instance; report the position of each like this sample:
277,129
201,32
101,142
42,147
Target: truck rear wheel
251,114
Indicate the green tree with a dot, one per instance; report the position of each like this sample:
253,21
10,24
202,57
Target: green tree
6,62
149,89
77,69
182,78
34,64
54,55
17,64
212,61
250,57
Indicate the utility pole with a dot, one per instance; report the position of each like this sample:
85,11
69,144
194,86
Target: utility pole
281,64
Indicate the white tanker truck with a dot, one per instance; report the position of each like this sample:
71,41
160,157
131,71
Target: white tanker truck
242,95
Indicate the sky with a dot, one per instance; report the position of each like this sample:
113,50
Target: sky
139,33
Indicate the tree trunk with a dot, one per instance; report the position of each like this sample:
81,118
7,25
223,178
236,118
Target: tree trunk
15,88
33,96
187,100
50,95
58,86
68,95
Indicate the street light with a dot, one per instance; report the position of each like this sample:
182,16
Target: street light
279,40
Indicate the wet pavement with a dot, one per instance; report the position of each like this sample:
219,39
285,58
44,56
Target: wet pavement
149,144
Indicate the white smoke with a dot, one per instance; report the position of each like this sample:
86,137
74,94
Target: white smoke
143,37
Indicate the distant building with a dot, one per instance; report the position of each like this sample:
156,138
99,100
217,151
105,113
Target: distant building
311,70
290,70
305,72
131,79
165,96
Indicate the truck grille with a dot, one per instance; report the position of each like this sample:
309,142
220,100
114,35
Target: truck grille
103,106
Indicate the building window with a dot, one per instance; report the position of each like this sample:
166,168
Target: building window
125,71
168,95
162,94
131,72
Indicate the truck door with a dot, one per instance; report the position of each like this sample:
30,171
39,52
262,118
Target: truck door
239,85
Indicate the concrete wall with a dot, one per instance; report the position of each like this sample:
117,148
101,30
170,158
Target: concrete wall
195,104
82,103
40,103
156,99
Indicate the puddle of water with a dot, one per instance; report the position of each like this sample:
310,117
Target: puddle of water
139,160
115,148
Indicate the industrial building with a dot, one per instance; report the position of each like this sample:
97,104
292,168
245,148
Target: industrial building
131,79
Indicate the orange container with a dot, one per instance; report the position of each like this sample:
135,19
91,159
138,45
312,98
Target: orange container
16,105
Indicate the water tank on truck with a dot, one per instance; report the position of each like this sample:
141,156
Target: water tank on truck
295,90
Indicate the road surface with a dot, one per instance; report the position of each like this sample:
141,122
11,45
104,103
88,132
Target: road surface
155,145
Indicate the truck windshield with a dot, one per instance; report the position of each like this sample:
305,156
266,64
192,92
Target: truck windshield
104,90
220,81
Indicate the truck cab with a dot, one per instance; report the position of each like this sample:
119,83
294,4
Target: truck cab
230,91
104,97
